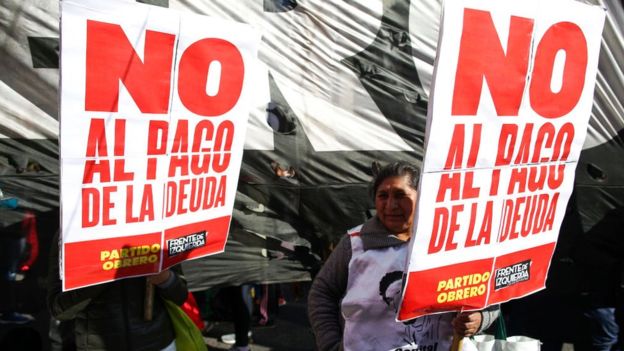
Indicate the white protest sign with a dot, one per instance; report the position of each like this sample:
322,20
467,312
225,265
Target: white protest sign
512,96
154,107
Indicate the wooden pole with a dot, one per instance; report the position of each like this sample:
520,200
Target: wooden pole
456,345
148,303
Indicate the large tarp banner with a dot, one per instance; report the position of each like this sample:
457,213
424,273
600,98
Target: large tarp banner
344,83
154,107
508,115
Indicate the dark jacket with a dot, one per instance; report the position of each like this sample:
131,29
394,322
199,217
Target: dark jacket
599,257
110,316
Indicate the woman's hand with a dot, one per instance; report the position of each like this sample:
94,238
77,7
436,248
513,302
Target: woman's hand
467,323
159,278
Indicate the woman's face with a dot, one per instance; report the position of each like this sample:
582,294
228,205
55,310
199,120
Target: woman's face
395,202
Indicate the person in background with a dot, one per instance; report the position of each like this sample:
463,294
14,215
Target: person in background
239,299
110,316
599,257
19,249
353,299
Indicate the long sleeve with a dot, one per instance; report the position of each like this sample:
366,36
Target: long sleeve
65,305
326,293
174,289
488,316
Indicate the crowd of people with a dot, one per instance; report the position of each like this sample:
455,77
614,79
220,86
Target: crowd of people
352,302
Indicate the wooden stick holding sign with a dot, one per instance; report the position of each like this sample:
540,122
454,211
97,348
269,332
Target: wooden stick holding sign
457,344
148,303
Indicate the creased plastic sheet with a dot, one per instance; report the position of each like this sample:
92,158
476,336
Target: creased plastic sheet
346,83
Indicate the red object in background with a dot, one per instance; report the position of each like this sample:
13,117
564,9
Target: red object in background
29,227
192,310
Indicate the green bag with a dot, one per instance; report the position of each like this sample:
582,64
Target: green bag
500,331
188,336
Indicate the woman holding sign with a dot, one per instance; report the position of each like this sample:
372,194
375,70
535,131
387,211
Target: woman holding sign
354,298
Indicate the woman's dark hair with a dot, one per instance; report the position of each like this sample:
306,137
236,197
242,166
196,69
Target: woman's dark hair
395,169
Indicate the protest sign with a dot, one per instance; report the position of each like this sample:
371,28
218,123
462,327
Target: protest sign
154,107
512,96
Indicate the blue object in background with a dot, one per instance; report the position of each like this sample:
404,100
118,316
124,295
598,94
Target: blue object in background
10,202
